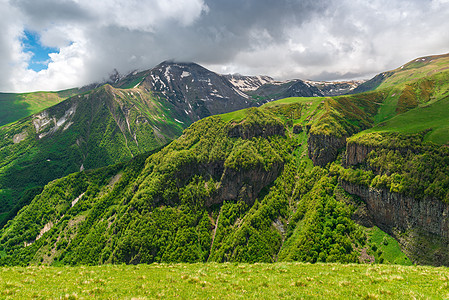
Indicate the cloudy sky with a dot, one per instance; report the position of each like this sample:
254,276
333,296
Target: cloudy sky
58,44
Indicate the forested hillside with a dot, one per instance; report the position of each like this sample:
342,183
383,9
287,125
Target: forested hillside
328,179
104,126
236,187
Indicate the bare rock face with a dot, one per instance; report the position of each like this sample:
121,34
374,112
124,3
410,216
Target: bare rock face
232,185
363,216
194,91
255,130
297,129
393,210
244,185
356,153
323,149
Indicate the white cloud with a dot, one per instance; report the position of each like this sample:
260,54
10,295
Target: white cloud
351,39
316,39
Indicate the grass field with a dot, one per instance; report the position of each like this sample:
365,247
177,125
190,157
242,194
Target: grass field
416,69
226,281
388,249
433,117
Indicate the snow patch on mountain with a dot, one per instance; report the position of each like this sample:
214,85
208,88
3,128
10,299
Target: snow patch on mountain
248,83
185,74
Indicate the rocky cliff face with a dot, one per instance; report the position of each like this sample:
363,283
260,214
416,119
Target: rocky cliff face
323,149
255,130
419,224
233,185
244,185
394,210
356,153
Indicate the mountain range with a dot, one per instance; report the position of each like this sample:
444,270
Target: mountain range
314,176
103,124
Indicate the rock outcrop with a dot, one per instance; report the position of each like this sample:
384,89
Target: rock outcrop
393,210
232,185
244,185
255,130
356,153
323,149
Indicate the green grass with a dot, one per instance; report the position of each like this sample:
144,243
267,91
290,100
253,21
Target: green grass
387,248
241,114
387,109
434,116
292,100
225,281
416,69
16,106
237,115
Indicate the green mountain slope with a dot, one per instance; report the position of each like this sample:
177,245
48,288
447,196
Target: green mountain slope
417,96
418,83
143,111
17,106
88,131
404,157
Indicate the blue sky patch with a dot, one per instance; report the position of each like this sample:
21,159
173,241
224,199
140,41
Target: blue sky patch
40,58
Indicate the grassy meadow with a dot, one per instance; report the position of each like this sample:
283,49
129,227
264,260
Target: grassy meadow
225,281
17,106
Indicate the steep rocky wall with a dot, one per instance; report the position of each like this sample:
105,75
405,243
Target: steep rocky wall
244,185
233,185
356,153
393,210
245,131
323,149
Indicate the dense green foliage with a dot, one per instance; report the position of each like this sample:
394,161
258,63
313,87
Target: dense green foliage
403,164
199,199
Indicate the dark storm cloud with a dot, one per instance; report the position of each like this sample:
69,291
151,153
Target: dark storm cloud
238,18
46,12
230,27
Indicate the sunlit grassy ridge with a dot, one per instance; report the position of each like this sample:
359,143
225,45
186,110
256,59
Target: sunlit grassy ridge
17,106
416,98
416,69
433,117
226,281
